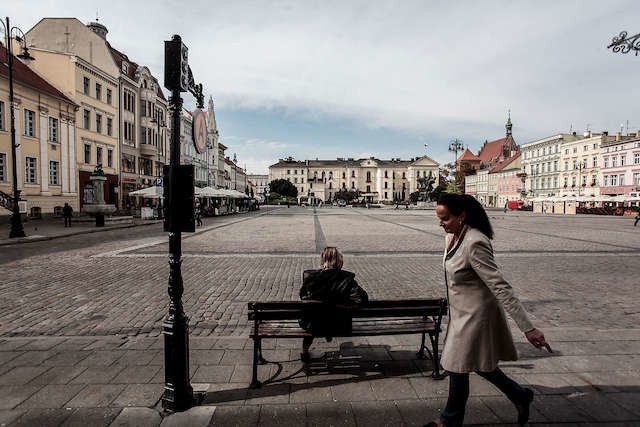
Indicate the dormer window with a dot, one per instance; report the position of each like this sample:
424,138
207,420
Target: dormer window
125,67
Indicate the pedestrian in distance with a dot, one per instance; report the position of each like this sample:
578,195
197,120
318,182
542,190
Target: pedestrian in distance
67,213
198,216
335,286
477,335
637,218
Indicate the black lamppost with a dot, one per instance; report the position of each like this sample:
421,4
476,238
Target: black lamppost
454,147
623,44
178,393
17,230
159,123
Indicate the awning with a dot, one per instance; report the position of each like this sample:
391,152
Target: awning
155,192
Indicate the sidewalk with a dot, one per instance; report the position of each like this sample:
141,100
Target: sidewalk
592,379
50,228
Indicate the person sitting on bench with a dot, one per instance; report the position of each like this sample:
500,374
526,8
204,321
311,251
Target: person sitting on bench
333,286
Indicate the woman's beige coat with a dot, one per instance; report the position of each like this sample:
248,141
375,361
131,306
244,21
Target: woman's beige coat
477,335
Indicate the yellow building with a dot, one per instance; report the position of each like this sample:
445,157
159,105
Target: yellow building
79,63
376,180
45,128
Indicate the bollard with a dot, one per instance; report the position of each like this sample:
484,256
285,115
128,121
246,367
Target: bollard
99,219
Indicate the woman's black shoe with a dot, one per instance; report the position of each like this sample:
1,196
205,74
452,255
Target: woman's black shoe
523,408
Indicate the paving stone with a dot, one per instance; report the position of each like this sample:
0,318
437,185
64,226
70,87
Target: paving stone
197,416
137,417
7,416
213,374
139,395
268,394
96,396
21,375
420,412
51,396
376,414
333,413
42,418
136,374
58,375
347,391
279,415
94,417
393,389
225,394
97,375
236,416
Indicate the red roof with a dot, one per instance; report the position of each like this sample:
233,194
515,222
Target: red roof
506,162
468,156
27,77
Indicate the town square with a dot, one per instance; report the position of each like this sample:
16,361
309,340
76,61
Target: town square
299,213
82,336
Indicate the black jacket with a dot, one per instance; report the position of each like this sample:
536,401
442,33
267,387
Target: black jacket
334,287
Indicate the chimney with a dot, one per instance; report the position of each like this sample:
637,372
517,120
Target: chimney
618,136
606,133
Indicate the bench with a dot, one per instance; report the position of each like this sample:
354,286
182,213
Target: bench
279,319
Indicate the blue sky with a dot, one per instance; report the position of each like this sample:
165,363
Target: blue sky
356,78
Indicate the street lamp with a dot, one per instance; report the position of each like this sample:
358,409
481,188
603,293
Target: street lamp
622,44
159,123
17,230
454,147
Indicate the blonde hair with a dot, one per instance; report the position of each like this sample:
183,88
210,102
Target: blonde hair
330,257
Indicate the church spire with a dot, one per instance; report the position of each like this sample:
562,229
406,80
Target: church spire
509,126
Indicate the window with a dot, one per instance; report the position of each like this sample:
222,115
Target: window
98,91
585,148
623,159
288,171
53,172
129,101
2,115
621,178
636,158
128,163
87,154
143,107
109,96
295,172
606,180
386,185
295,180
584,180
353,184
614,180
109,126
109,158
99,123
30,173
595,146
129,134
99,155
595,161
566,181
566,165
566,151
636,176
575,149
85,85
386,176
584,163
573,181
606,162
53,129
29,123
368,176
3,167
555,166
614,161
86,118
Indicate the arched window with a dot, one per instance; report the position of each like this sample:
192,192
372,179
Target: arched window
368,176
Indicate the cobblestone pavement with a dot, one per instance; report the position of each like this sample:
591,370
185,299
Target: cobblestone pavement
80,330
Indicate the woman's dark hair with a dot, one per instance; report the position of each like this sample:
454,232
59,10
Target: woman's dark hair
475,216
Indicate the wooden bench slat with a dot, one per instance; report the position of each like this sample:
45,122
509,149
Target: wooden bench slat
359,328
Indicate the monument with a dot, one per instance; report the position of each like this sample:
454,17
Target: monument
95,204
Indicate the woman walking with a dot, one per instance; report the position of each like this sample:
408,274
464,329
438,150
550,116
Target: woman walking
477,334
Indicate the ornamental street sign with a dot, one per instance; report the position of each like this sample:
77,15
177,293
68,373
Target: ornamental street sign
199,131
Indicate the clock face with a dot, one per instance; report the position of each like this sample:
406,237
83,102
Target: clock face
199,131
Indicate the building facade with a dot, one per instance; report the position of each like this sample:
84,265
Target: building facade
261,186
620,170
143,122
79,63
376,180
541,164
45,138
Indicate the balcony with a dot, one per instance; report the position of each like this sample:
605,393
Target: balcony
148,150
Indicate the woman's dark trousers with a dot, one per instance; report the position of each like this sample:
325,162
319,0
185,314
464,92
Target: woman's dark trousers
453,414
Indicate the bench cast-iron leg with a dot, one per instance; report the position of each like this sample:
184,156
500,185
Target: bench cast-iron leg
436,374
257,355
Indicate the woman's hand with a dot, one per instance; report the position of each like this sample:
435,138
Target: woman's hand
536,338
